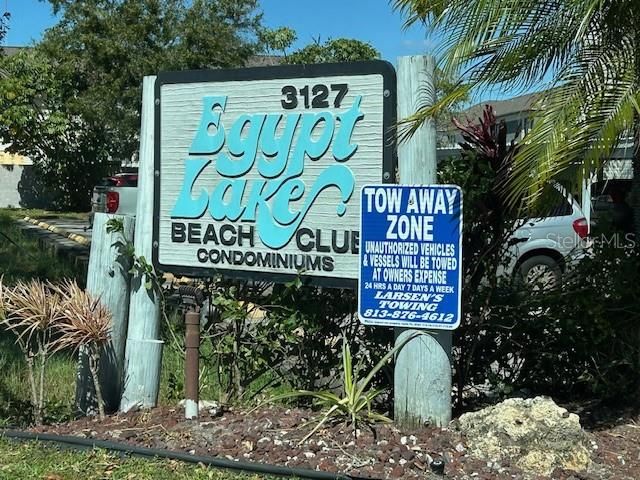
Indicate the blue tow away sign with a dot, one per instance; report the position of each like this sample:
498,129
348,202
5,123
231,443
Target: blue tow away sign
411,256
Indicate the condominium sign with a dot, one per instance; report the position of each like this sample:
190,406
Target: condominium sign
258,171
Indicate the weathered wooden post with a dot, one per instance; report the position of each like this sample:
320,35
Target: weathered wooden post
107,279
422,383
144,348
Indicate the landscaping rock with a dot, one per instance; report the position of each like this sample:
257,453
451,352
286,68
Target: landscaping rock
378,453
535,434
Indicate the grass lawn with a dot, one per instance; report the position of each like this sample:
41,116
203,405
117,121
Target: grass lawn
39,461
15,409
42,214
22,259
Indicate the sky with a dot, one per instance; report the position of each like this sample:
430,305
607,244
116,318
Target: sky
372,21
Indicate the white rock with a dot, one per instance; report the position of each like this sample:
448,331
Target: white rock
535,435
203,404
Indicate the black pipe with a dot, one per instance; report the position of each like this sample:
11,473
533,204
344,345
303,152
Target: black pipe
249,467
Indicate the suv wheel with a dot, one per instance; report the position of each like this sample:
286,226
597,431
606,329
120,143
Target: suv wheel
540,273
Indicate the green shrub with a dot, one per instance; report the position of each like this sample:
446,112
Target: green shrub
580,339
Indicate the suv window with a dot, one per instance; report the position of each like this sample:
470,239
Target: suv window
552,203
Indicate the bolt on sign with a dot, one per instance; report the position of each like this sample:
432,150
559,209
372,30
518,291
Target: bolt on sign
258,171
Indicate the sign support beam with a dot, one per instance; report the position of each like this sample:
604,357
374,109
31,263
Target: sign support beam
422,377
108,280
144,349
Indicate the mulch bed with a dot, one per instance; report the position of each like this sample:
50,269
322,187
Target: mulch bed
272,435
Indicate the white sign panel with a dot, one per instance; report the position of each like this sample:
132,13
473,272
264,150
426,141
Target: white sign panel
258,170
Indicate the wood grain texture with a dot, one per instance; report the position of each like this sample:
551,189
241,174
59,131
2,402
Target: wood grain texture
422,376
142,365
108,279
181,113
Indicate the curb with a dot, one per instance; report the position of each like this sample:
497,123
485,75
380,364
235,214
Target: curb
84,241
60,231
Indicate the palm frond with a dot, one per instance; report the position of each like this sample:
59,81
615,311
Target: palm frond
589,49
579,123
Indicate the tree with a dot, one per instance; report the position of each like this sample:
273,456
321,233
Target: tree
281,39
34,116
278,41
338,50
4,24
588,47
95,59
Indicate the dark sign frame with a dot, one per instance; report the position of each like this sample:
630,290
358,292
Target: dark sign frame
285,72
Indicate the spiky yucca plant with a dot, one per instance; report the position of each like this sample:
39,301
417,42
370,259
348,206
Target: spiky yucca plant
355,402
32,311
86,324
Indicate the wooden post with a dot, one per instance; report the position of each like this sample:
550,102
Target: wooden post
108,279
422,377
144,349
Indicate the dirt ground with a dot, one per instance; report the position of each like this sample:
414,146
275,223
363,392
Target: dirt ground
273,435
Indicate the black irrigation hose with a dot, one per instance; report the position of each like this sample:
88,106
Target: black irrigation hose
80,443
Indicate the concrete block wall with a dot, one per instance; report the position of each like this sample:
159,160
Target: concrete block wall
9,178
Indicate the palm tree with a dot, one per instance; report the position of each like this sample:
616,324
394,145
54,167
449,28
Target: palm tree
590,49
4,24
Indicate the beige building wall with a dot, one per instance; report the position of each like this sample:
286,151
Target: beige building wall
11,168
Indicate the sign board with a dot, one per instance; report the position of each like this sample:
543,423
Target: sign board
411,256
258,170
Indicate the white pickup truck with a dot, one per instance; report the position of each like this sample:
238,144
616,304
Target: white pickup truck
115,194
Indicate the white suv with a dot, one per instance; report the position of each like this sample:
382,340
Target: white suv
540,250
